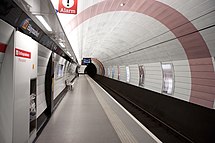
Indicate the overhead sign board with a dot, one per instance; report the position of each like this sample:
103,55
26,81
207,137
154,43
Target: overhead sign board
27,26
68,6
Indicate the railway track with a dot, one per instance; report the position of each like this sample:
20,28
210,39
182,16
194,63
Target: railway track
164,132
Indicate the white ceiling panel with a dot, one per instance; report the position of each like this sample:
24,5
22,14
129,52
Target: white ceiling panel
110,35
191,9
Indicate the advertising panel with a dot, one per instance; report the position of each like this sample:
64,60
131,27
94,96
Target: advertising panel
141,73
28,27
168,78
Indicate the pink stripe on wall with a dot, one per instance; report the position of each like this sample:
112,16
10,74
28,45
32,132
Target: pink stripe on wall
203,82
194,45
3,47
202,102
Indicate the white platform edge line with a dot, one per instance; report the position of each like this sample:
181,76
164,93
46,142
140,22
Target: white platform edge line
122,131
140,124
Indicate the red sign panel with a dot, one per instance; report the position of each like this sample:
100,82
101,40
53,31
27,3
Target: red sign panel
3,47
68,6
22,53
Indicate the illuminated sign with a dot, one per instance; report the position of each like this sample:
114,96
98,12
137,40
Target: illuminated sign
68,6
86,61
26,25
22,53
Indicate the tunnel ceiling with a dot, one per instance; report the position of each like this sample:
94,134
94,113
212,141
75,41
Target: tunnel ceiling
139,30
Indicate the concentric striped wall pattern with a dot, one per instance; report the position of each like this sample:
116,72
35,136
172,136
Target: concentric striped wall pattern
191,23
134,74
182,80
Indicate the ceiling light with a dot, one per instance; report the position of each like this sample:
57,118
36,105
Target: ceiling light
68,53
62,45
122,4
61,40
45,24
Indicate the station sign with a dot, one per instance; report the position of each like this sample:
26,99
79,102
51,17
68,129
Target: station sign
27,26
22,53
68,6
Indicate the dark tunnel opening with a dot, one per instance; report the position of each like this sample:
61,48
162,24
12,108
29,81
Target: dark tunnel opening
91,70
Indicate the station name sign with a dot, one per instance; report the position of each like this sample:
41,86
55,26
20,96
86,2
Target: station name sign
68,6
22,53
26,25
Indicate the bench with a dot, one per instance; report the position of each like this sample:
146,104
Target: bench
69,83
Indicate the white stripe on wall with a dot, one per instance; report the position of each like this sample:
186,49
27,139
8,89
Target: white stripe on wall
106,71
122,72
153,77
116,72
182,80
134,75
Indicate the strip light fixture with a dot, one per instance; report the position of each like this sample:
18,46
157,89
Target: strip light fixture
68,53
45,24
62,45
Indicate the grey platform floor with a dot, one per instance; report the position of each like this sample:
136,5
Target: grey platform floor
88,115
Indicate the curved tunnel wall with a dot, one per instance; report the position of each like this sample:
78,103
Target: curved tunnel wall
153,78
193,29
99,66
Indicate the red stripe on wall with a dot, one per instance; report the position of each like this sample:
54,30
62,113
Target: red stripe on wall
3,47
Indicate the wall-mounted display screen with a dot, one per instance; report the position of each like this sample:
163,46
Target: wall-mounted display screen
127,74
113,72
118,77
141,75
109,72
59,70
168,78
86,61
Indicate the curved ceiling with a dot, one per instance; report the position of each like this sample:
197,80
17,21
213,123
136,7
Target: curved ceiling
139,30
114,36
